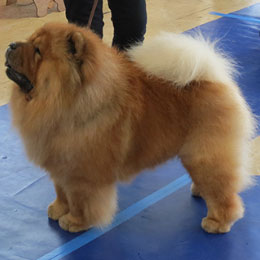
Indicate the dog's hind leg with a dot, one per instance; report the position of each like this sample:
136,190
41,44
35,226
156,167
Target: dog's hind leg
217,171
216,182
216,152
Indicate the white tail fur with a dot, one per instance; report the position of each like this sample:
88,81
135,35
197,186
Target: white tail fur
181,59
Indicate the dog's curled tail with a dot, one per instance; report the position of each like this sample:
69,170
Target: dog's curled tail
180,58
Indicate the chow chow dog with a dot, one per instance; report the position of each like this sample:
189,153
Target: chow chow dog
91,116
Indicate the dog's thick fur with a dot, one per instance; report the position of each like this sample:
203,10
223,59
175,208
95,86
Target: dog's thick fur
96,116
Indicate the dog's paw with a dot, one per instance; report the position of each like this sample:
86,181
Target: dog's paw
213,226
195,191
71,224
57,210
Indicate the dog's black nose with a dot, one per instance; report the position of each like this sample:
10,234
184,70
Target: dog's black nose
13,45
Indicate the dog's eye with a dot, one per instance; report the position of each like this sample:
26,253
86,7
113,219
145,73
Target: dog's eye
37,50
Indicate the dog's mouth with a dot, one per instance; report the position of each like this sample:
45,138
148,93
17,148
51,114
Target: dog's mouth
20,79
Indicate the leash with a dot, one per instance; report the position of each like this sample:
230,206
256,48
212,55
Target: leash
95,2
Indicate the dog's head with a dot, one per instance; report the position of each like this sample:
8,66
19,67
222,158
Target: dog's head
56,54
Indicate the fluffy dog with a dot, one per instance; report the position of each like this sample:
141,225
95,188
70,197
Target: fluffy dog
92,116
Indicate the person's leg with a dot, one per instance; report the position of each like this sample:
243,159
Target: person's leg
129,19
78,11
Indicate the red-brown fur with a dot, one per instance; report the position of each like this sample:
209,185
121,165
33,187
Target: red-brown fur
101,119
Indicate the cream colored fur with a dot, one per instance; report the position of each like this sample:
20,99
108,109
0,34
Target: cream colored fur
181,59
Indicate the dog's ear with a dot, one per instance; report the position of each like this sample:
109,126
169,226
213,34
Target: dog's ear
76,44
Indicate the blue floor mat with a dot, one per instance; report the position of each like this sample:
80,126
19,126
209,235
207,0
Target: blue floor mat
251,11
169,228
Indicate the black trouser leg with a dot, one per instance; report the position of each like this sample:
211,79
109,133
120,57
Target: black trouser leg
78,12
128,16
129,19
